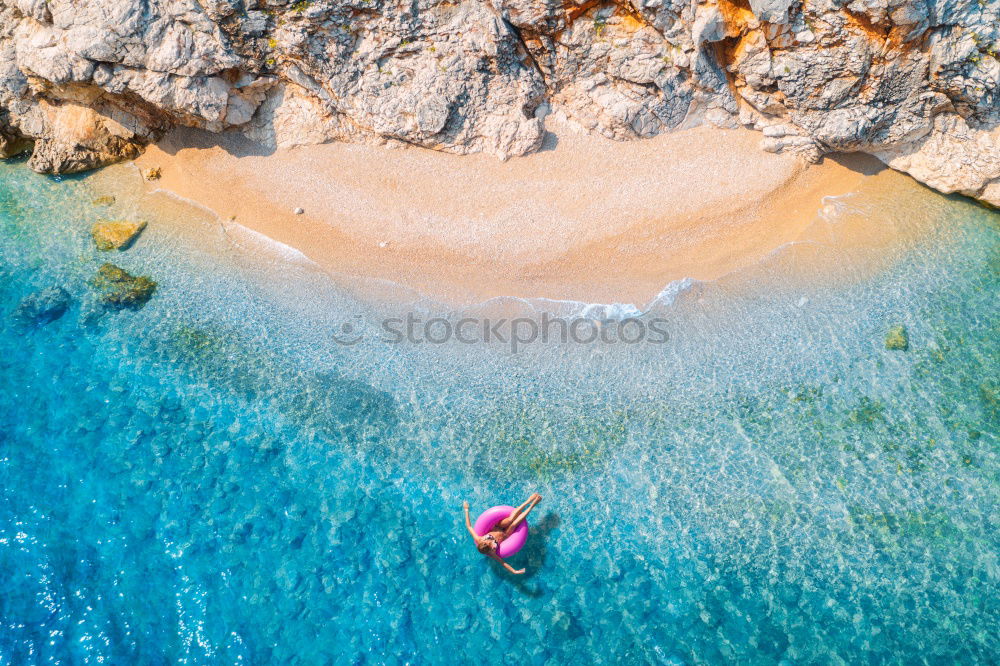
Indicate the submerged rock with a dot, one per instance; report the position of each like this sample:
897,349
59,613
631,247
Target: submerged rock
116,234
897,338
43,307
103,201
119,289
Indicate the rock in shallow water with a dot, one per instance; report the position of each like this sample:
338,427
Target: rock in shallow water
116,235
897,339
119,289
43,307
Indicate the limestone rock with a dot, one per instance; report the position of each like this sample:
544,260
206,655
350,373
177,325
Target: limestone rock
116,234
118,289
77,138
914,82
954,158
43,307
772,11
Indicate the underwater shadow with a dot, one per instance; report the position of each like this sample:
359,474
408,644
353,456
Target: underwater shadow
534,551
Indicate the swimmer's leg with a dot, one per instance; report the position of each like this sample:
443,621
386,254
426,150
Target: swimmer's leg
509,529
503,524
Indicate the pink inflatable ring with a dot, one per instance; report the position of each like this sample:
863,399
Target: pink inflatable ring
488,519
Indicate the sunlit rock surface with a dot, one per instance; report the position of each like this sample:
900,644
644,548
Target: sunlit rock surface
914,82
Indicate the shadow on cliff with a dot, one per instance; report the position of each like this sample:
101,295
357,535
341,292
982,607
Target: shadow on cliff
233,143
549,142
862,163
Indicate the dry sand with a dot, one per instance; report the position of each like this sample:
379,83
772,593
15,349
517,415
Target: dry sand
586,218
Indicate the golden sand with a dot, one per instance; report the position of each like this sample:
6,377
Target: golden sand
585,219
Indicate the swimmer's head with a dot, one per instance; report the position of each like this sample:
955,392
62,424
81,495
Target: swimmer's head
486,545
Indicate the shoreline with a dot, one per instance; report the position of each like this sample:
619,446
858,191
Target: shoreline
586,219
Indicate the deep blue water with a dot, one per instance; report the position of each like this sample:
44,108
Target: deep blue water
212,479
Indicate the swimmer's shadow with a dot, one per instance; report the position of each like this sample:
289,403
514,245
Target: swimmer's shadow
531,558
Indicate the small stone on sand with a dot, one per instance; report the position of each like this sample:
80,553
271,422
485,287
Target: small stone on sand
299,211
152,174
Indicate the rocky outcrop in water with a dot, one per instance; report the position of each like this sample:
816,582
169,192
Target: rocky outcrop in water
42,307
897,339
118,289
914,82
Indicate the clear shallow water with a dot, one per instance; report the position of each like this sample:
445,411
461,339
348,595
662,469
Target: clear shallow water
212,479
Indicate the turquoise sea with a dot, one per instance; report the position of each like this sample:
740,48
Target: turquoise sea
213,479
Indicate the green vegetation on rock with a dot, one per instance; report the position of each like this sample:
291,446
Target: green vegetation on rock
897,339
115,234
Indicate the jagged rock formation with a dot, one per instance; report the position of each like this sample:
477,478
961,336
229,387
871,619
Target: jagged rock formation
914,82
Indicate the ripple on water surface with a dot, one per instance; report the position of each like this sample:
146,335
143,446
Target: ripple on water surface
211,478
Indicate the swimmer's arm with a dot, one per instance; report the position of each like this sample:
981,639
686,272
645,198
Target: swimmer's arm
505,565
468,523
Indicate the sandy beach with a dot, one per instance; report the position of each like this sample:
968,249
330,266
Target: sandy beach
585,219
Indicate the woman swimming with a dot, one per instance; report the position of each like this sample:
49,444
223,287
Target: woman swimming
488,543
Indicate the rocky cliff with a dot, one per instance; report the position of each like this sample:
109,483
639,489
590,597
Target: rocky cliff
914,82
